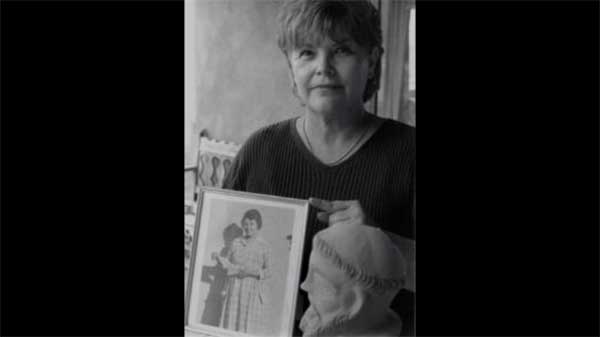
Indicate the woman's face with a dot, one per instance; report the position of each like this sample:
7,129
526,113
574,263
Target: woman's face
250,227
330,76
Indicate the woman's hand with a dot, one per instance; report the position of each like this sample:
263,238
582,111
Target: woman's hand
233,269
248,271
220,260
346,212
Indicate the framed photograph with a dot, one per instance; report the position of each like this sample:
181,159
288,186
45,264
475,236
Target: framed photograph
245,265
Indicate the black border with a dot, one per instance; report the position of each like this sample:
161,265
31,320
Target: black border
509,170
92,136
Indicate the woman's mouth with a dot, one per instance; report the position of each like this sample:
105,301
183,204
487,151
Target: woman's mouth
327,90
327,87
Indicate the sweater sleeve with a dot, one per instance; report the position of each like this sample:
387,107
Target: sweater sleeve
246,160
412,198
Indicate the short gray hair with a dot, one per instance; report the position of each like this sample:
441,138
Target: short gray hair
301,21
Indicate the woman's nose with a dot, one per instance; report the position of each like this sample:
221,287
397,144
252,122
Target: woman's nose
324,66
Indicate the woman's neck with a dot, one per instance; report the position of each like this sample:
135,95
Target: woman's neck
336,127
334,137
250,238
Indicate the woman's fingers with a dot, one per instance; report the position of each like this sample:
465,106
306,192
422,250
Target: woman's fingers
335,217
339,216
323,216
328,206
332,217
323,205
345,212
350,222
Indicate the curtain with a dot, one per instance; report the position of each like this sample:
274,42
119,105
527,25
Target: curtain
393,98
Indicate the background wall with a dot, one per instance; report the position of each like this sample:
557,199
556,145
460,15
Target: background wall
241,76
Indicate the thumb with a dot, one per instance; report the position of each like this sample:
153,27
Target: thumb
321,204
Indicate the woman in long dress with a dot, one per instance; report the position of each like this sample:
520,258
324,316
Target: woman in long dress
248,265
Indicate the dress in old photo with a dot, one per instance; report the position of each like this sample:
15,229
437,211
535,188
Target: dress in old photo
246,298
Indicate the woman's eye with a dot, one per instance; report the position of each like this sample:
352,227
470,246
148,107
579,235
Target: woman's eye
305,53
343,50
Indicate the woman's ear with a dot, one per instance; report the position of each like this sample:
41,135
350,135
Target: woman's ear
293,83
374,57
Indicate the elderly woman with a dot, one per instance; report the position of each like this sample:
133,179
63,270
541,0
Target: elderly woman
355,167
247,266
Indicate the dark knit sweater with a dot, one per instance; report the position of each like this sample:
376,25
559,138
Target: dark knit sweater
381,174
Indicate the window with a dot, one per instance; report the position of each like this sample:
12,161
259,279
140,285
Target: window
411,55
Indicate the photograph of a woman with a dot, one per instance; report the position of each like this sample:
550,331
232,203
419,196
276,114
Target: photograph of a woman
247,266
